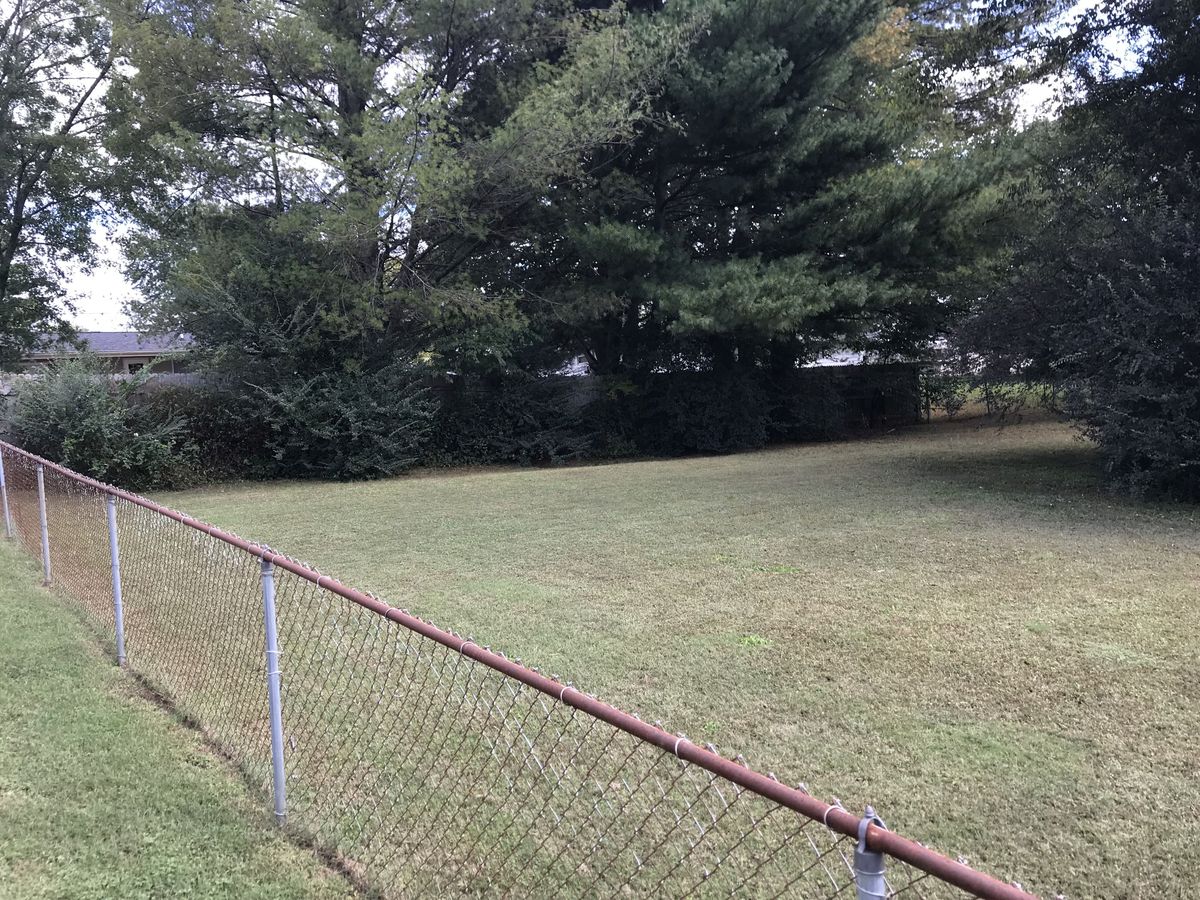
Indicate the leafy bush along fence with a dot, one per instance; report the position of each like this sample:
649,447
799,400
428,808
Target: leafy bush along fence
424,763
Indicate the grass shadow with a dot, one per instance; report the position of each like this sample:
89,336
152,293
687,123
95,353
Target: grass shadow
1019,472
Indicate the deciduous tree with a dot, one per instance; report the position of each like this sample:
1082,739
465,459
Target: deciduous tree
54,64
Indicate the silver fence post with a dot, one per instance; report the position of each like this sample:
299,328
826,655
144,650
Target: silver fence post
4,497
41,484
115,554
278,783
869,876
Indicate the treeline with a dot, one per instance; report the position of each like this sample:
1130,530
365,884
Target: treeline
341,198
143,434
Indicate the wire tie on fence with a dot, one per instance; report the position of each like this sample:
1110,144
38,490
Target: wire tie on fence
678,741
463,645
566,687
837,804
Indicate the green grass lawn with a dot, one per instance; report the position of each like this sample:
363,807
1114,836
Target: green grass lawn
102,795
952,623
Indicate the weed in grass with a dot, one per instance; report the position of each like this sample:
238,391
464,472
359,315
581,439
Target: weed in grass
753,640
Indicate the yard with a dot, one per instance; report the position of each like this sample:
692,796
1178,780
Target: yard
951,623
102,795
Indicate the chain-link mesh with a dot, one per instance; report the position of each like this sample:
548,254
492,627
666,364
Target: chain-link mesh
422,770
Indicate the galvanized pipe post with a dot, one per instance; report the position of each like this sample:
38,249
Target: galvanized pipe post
115,555
870,881
275,707
8,532
41,486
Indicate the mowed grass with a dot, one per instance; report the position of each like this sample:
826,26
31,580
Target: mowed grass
102,794
952,623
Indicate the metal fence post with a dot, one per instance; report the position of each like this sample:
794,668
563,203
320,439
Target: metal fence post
8,532
276,712
115,554
41,486
870,881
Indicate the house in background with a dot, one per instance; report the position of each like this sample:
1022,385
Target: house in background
128,351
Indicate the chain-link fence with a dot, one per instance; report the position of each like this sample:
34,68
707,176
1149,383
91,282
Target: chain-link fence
421,762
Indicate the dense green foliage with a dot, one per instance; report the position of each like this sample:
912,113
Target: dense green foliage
512,420
798,183
53,59
349,428
351,157
683,199
328,192
79,416
347,201
137,434
1102,300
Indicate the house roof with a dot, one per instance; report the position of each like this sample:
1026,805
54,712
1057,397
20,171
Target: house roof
114,343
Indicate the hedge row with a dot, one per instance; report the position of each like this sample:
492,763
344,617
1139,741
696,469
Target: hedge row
361,428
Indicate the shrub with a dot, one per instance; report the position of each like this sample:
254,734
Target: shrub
807,405
343,426
690,412
946,392
519,420
80,416
226,428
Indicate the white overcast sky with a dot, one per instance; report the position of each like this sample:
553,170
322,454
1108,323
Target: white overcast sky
99,296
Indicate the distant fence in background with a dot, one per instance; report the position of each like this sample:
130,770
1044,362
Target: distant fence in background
421,762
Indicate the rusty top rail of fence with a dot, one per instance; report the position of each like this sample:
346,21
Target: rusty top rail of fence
836,818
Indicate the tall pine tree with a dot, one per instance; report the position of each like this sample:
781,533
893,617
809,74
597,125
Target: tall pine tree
318,175
801,181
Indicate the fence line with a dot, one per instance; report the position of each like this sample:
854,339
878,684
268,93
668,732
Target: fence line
425,762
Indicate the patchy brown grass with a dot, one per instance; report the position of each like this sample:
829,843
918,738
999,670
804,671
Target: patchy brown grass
953,623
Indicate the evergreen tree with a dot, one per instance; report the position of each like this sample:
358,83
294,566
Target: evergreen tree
1101,300
318,175
801,181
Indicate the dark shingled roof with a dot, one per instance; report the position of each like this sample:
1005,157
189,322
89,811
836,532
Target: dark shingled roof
119,343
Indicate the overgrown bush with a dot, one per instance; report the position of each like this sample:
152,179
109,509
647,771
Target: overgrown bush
806,408
1107,322
225,426
344,426
689,412
142,433
947,393
1133,380
80,416
520,420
